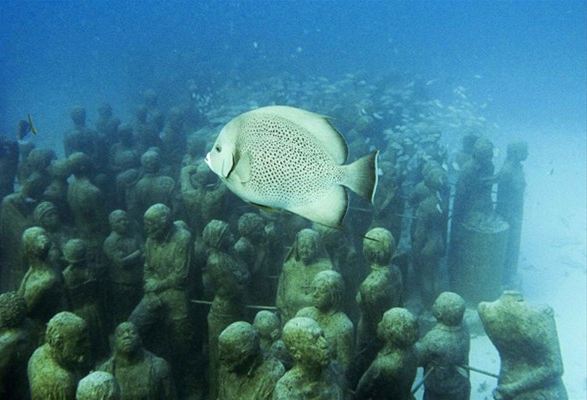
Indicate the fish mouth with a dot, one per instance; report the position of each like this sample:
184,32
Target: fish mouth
207,160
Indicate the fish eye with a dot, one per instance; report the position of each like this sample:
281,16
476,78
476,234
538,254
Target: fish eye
218,148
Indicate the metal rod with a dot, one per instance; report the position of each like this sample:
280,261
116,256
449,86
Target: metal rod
251,306
421,382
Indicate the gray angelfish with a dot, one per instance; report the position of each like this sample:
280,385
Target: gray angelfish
287,158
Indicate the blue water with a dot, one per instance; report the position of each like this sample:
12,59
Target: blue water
524,61
528,58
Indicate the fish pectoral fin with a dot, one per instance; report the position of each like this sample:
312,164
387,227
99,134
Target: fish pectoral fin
242,169
328,207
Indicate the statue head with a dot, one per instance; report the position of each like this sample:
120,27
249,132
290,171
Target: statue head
98,385
267,325
119,222
40,159
517,151
151,161
142,113
127,340
251,226
75,251
125,133
78,116
468,143
483,150
105,110
449,308
327,290
36,243
80,163
398,327
46,215
68,340
157,221
217,235
60,169
435,179
305,341
13,310
307,245
238,346
378,246
150,97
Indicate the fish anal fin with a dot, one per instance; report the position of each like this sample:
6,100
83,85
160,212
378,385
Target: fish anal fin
327,208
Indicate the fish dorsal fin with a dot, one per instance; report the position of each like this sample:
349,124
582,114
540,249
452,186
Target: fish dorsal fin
317,125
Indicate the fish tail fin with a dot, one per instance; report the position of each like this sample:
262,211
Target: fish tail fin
361,176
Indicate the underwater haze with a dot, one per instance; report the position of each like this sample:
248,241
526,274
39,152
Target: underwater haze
510,70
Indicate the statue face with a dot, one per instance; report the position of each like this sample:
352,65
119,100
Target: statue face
42,244
155,228
321,294
50,220
314,349
75,347
120,224
307,248
126,339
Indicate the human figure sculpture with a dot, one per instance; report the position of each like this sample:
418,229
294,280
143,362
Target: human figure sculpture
154,115
268,327
87,205
16,215
80,138
84,286
511,184
429,236
327,293
140,373
56,367
106,124
311,376
526,339
164,305
254,247
463,156
153,187
98,385
381,290
245,373
392,373
16,346
9,155
42,285
146,134
56,191
227,278
46,215
124,253
473,189
123,155
36,165
173,137
202,197
294,288
444,351
196,147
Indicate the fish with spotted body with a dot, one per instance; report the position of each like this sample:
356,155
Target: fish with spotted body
287,158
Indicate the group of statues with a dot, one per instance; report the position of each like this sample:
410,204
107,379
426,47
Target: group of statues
129,272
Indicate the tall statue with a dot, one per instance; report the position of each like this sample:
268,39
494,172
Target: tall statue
164,308
42,285
511,184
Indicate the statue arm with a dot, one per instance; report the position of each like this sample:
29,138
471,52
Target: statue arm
368,382
345,349
178,275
